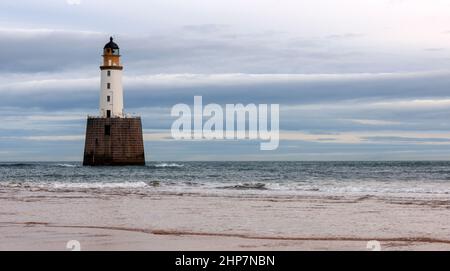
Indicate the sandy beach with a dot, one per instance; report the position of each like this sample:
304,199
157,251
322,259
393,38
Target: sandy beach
33,219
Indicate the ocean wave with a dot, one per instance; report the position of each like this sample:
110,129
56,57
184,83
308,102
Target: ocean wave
66,165
167,165
42,165
16,164
154,183
98,185
246,186
156,187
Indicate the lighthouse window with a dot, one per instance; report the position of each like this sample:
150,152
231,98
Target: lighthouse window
108,98
108,73
107,129
108,85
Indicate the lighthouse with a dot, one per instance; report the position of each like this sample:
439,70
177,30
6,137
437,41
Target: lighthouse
111,94
113,138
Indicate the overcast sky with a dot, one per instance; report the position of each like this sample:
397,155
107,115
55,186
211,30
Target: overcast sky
355,79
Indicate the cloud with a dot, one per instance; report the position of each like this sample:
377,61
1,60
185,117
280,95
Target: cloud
345,36
348,138
200,48
397,139
206,28
27,50
414,104
374,122
73,2
434,49
321,104
376,137
388,90
49,138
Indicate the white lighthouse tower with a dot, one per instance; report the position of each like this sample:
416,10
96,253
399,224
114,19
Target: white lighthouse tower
111,93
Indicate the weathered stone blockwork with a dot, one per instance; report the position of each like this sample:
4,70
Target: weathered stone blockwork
120,144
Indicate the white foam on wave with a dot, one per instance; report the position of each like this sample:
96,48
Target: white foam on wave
242,188
163,165
99,185
66,165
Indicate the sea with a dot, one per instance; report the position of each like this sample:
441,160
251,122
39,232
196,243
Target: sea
256,179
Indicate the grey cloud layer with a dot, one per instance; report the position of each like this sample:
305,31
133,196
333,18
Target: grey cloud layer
312,103
288,89
204,48
43,50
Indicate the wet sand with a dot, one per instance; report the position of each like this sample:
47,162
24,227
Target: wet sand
33,219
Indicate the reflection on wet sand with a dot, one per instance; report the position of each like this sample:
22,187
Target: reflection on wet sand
31,219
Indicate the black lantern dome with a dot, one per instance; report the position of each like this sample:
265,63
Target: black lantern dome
111,44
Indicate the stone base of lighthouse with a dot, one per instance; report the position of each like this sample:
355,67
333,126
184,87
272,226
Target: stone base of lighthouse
114,142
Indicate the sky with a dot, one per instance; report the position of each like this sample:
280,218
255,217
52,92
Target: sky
355,79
